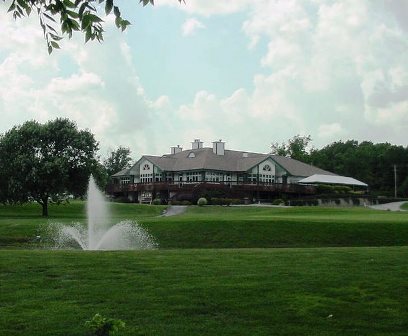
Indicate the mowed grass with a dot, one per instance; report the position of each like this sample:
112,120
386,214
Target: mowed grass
404,206
21,224
225,227
254,227
328,291
204,280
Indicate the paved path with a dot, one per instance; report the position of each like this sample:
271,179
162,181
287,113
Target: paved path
175,210
394,206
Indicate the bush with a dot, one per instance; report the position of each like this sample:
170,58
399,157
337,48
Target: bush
156,201
278,201
324,189
202,201
342,189
185,203
103,326
225,201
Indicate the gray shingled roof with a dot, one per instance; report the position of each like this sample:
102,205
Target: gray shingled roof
298,168
123,172
126,172
233,161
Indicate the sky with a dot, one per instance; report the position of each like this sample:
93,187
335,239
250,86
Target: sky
248,72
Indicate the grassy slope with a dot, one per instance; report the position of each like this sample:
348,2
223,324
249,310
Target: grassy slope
323,291
331,291
19,225
232,227
228,227
404,206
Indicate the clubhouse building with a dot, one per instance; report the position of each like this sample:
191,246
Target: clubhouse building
199,171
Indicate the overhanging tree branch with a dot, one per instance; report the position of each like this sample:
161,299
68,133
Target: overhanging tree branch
63,17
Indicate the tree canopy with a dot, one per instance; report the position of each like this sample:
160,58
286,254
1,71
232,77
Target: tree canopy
296,147
118,160
45,162
63,17
372,163
368,162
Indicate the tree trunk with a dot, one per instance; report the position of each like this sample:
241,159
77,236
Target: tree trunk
44,204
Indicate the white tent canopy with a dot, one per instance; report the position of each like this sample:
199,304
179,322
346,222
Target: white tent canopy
332,179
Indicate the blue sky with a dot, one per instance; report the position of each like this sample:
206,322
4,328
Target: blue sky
248,72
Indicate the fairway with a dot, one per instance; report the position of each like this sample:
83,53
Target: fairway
217,271
224,227
353,291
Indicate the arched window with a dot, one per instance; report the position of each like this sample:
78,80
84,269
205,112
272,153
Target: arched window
267,168
146,166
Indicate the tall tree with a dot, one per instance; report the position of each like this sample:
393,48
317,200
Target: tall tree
45,162
118,160
75,15
296,148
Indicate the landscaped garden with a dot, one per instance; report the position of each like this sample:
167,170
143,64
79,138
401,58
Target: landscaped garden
218,271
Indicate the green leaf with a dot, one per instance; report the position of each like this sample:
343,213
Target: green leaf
72,14
49,17
55,45
116,11
124,24
69,4
95,18
86,22
118,21
108,6
12,7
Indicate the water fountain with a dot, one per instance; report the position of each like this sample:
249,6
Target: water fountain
100,234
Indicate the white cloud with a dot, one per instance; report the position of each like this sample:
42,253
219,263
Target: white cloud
330,131
328,68
330,64
190,26
100,90
208,7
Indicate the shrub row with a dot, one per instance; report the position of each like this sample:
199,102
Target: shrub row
224,201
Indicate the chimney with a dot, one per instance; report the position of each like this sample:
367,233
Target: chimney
197,144
175,150
218,147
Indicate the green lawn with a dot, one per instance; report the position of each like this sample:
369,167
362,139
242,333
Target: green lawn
225,227
330,291
243,227
404,206
20,224
215,273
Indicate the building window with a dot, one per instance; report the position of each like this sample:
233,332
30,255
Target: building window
146,178
146,166
267,168
124,180
191,155
193,176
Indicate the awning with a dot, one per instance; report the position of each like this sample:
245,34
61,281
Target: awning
332,179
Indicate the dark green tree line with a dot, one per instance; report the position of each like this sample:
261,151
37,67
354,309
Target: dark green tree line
372,163
368,162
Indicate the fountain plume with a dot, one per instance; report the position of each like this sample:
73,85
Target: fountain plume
99,234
